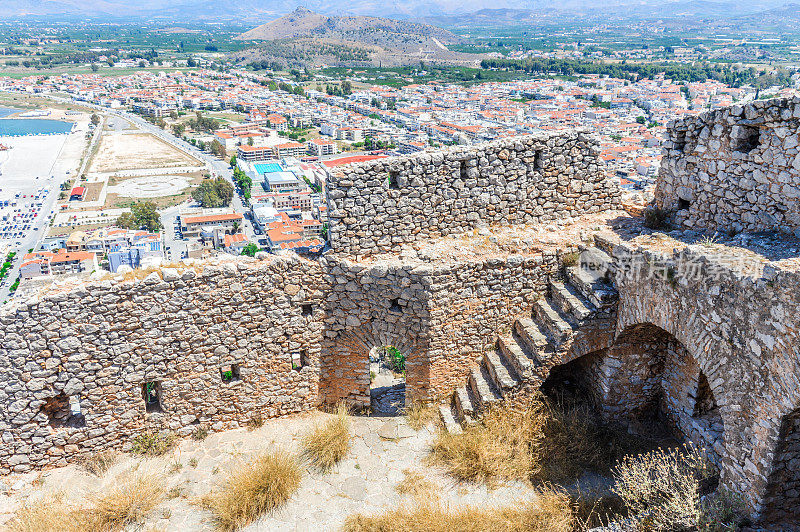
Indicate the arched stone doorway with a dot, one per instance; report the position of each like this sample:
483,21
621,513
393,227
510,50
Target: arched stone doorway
782,497
347,359
649,381
387,376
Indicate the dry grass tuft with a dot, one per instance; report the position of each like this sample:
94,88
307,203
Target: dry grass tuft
327,443
530,440
420,414
45,515
551,512
99,463
416,485
255,488
128,502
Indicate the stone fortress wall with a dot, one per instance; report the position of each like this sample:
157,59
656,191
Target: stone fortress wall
734,169
225,341
377,205
76,363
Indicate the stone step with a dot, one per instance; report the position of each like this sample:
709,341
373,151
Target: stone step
605,245
463,403
517,356
533,340
571,302
503,377
555,326
482,388
449,421
596,291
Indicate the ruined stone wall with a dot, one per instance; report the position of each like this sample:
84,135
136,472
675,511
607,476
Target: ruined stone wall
369,306
377,205
739,331
294,333
734,169
98,345
472,303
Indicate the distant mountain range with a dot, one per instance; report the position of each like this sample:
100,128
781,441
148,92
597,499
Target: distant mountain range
448,12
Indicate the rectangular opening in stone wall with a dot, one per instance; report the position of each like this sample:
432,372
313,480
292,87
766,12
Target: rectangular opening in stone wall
394,306
307,309
299,360
747,138
393,183
680,140
229,373
63,411
683,204
537,159
151,392
463,169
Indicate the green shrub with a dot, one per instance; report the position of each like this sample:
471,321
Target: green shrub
152,443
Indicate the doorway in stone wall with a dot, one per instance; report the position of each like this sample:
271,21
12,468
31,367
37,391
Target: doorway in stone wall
387,373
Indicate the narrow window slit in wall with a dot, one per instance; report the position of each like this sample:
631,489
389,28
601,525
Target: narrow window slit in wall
463,169
537,159
151,392
393,184
680,140
63,411
299,360
229,373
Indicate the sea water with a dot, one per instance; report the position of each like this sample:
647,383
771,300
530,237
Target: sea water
14,127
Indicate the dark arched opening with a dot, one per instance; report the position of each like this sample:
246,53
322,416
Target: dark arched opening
653,385
782,498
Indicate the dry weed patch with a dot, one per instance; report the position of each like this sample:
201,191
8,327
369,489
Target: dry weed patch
132,497
254,489
419,415
531,440
327,443
100,462
550,512
662,491
416,485
128,501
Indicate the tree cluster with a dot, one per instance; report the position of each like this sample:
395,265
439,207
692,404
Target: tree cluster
213,193
143,215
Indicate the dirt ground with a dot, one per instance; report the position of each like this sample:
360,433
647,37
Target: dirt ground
383,452
137,151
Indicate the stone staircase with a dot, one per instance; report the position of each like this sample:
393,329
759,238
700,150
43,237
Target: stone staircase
523,359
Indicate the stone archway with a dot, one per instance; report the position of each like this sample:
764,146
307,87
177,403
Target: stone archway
345,374
782,496
649,380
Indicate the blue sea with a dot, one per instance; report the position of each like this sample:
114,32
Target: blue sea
14,127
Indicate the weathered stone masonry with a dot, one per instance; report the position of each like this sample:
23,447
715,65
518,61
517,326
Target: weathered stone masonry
734,169
293,333
378,205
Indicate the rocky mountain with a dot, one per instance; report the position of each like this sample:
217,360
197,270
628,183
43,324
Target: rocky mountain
305,23
306,38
